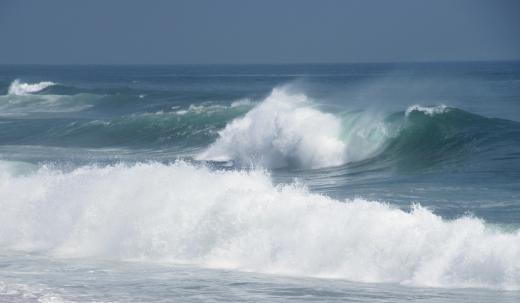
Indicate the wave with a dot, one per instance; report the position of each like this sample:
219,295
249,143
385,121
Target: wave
23,100
190,127
157,212
21,88
286,130
434,135
26,105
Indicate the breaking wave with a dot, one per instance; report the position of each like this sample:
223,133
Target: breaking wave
21,88
25,99
240,220
288,130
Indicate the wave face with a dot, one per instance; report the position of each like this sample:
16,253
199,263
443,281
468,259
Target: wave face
242,221
27,105
437,135
21,88
286,130
191,127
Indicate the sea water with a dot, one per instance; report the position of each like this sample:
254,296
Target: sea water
187,183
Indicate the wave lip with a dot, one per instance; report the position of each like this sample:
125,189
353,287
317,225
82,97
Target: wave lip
20,88
241,220
427,110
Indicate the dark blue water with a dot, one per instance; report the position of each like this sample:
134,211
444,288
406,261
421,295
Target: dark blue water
409,172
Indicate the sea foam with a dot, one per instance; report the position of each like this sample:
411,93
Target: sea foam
240,220
427,110
286,129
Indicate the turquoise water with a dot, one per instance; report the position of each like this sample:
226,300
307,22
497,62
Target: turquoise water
366,182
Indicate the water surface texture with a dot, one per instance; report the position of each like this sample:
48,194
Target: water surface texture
276,183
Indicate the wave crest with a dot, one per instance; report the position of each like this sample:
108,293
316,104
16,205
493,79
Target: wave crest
240,220
427,110
20,88
286,130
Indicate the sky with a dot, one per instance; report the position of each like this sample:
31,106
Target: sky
263,32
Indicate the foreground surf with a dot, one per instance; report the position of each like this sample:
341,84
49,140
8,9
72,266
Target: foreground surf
156,212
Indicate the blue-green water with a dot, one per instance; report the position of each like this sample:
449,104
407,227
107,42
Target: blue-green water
366,182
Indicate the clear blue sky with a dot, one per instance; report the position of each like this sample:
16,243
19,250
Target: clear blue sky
266,31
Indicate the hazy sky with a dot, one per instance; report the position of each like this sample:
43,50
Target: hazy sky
262,31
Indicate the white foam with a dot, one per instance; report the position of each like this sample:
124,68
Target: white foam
202,109
18,292
240,220
15,168
283,130
428,110
241,102
286,129
21,88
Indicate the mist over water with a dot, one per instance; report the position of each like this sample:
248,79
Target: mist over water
401,176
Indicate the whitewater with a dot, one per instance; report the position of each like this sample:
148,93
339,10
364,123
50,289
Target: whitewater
242,221
292,184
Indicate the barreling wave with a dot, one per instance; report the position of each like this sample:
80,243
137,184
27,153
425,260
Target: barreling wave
240,220
287,130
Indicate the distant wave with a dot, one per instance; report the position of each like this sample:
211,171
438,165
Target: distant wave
21,88
24,99
24,105
190,127
238,219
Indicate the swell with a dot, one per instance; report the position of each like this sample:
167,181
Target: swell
289,130
157,212
36,100
44,98
190,127
443,135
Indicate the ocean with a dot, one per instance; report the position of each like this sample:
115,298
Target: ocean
260,183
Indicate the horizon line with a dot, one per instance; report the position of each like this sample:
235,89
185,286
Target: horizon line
270,63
